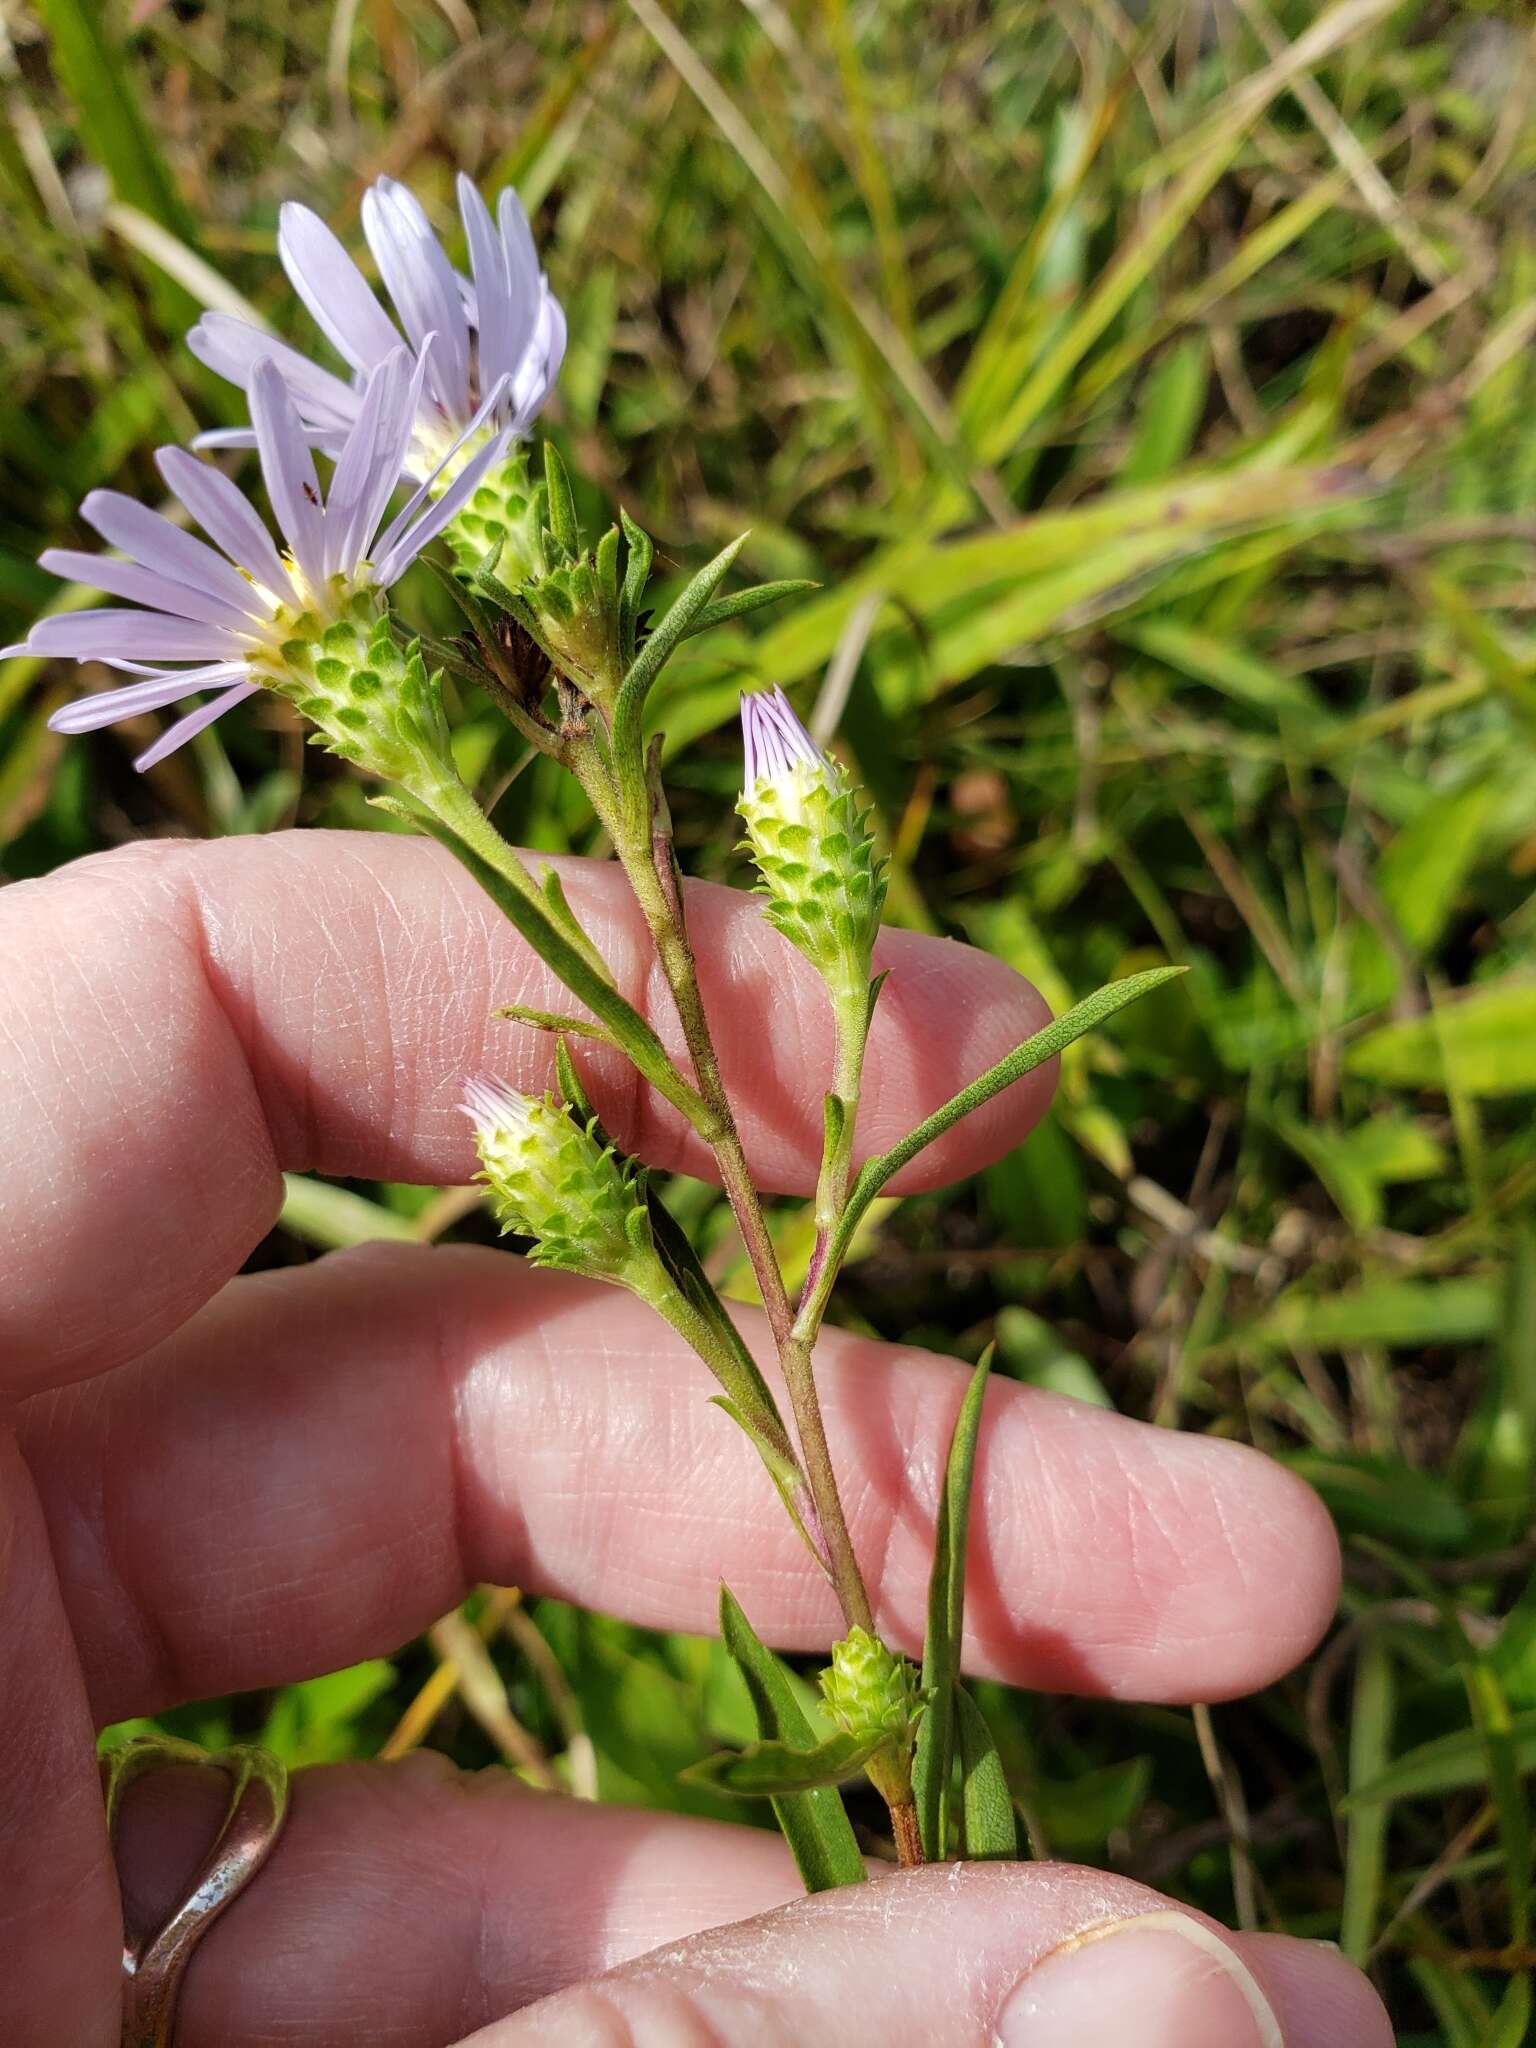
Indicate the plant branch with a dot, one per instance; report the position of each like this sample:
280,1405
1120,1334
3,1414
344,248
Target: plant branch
651,866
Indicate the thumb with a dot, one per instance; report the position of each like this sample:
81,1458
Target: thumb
1023,1955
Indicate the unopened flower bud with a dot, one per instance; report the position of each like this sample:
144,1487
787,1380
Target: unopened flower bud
824,882
552,1180
871,1693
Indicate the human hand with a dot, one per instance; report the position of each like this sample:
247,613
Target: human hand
219,1483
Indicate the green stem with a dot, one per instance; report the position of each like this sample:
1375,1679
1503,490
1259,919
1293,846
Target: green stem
850,1007
653,875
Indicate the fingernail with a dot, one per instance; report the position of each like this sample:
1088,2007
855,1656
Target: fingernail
1160,1980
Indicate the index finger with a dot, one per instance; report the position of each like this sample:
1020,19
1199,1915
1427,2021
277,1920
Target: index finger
181,1022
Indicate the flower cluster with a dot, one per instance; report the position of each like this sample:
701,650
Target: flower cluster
439,409
439,391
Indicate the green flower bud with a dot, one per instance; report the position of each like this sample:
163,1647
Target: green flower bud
871,1693
563,594
551,1180
564,610
824,882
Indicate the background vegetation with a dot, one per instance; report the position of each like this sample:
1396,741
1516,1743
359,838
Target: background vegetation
1152,388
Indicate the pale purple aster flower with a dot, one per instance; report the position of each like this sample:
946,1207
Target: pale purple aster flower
228,609
499,330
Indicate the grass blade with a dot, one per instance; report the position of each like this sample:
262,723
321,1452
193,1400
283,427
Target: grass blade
1370,1742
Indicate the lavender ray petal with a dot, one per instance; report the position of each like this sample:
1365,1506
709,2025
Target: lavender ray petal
289,470
408,511
399,556
495,313
422,284
541,362
234,348
333,288
143,586
106,707
146,636
391,466
517,242
228,518
188,728
223,437
352,479
156,543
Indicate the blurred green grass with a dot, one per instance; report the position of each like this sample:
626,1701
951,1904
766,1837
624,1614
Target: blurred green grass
1151,388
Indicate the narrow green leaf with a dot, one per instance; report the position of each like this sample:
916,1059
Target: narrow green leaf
1457,1310
990,1831
1370,1738
565,920
721,1345
1228,667
322,1213
95,73
772,1770
1512,2022
553,1020
1482,1043
1170,410
562,506
637,573
1457,2003
1083,1017
814,1824
665,637
744,601
524,912
934,1760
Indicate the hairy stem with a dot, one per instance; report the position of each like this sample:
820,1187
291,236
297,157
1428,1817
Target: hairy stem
654,878
891,1776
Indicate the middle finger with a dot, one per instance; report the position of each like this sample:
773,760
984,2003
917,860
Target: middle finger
324,1459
